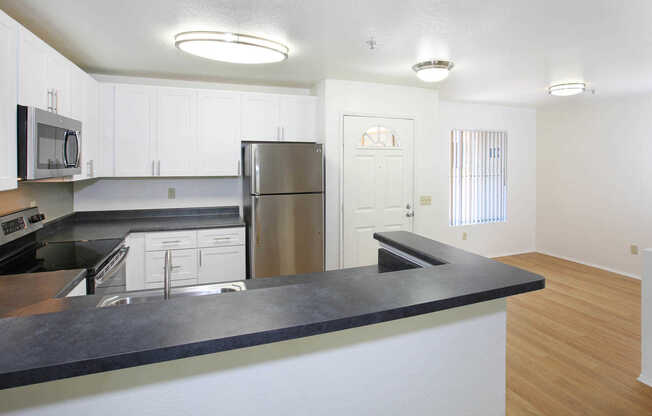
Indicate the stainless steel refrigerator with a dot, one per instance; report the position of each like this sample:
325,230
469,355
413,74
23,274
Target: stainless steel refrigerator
284,208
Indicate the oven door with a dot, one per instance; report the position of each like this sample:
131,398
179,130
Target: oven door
112,278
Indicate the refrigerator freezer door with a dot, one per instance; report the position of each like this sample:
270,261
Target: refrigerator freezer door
287,234
286,168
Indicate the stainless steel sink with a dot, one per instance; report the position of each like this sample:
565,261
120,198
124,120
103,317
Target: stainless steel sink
155,295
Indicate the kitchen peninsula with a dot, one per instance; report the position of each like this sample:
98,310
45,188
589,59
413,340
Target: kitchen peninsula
303,344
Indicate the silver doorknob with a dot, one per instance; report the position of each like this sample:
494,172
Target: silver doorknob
408,206
409,214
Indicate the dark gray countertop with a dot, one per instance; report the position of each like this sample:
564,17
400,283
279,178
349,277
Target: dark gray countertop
98,225
184,327
18,291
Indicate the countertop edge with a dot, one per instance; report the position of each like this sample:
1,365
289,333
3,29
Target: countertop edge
152,356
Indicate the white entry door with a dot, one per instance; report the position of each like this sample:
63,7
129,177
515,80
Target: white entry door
377,184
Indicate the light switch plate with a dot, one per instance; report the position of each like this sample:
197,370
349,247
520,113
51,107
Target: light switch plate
465,235
172,193
633,249
425,200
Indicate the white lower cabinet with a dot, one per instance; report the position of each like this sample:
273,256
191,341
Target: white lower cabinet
203,256
221,264
184,266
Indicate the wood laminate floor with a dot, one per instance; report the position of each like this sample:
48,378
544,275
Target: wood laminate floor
574,348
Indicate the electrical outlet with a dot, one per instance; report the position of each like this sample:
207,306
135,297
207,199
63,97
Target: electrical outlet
172,193
425,200
634,249
32,203
465,236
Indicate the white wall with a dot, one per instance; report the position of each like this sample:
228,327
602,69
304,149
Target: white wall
433,121
594,161
118,194
445,363
517,234
340,97
54,199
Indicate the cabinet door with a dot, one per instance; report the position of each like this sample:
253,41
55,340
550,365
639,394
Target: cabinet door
177,132
135,113
32,64
91,126
8,80
135,263
260,117
105,159
298,118
221,264
219,134
58,75
78,112
184,265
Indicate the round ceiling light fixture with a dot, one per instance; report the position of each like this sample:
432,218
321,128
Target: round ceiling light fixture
432,71
567,89
231,47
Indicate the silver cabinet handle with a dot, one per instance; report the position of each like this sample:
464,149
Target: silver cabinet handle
278,133
158,167
50,100
283,132
238,168
199,258
56,101
171,242
167,274
153,171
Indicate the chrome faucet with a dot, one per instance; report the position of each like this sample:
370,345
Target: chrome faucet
167,274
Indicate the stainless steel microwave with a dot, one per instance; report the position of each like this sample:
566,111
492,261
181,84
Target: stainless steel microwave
49,145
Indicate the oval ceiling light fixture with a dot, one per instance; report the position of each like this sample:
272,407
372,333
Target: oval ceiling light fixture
432,71
235,48
567,89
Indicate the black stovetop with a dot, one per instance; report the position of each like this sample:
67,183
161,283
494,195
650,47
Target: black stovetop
33,257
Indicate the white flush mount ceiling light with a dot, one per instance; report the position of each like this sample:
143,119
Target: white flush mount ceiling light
432,71
567,89
231,47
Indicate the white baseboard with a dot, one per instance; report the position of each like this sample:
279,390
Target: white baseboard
597,266
645,380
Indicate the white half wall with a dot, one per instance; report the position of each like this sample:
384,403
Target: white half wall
517,234
594,161
445,363
144,193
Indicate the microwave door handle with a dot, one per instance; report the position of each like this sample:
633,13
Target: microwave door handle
79,149
65,150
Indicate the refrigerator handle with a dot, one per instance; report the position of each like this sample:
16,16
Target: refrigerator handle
257,169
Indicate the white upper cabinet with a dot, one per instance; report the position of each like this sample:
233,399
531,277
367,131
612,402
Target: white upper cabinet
218,146
269,117
57,77
260,118
177,132
85,107
298,118
8,77
32,63
135,130
44,78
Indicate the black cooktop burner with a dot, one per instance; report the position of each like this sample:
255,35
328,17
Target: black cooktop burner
45,257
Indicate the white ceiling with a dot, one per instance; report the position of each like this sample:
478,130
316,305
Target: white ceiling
505,51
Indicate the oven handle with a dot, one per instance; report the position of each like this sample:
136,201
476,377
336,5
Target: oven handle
108,272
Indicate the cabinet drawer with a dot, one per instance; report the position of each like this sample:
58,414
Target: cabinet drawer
170,240
219,237
184,265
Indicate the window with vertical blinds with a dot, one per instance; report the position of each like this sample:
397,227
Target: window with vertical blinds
478,177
